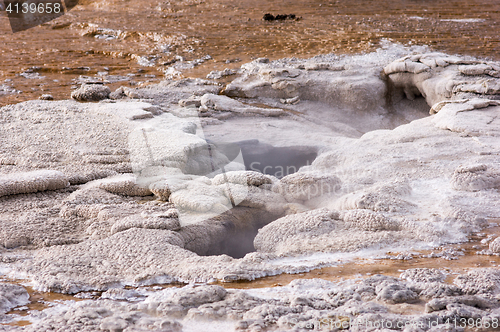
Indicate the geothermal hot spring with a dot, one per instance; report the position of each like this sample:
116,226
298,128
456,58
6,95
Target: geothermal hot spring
336,169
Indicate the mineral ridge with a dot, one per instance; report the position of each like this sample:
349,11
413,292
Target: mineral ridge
165,184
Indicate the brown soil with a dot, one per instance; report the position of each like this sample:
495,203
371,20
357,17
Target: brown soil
230,31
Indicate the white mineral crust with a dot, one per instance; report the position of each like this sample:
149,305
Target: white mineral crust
154,189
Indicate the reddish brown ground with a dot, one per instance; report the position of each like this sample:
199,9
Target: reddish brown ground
231,30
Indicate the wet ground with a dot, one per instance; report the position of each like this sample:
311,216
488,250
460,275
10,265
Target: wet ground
135,42
453,259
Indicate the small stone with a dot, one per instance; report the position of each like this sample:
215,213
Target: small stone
113,324
91,92
46,97
118,93
291,101
495,245
191,101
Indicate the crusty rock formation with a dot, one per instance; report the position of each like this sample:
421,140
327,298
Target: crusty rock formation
12,296
246,178
475,178
222,107
32,182
288,232
91,92
495,245
385,187
439,77
303,304
136,193
305,186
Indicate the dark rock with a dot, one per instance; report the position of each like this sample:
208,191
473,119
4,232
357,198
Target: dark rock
279,17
